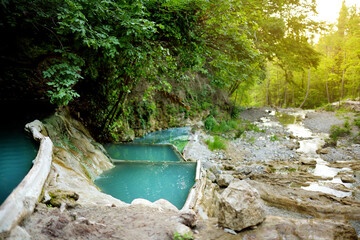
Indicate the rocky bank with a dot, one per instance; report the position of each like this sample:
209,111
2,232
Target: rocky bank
277,183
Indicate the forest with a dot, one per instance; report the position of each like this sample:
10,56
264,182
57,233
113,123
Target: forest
333,77
123,65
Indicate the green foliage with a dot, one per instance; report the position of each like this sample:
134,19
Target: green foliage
236,110
63,74
210,123
274,138
336,131
186,236
333,78
217,143
120,55
357,122
329,108
356,138
247,126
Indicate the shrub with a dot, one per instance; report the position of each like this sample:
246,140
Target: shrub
210,123
217,143
336,131
186,236
357,122
222,127
329,108
235,113
356,139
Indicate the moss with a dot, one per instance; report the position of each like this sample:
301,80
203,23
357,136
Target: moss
86,171
60,196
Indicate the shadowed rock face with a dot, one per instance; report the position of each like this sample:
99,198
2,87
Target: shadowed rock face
77,161
240,206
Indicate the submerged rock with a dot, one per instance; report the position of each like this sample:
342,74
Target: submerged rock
240,206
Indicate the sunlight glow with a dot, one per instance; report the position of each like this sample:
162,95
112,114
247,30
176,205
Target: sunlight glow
329,9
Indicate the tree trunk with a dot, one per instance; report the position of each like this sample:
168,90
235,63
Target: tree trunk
307,89
327,89
285,98
242,94
111,114
343,79
278,81
353,91
342,85
267,91
293,94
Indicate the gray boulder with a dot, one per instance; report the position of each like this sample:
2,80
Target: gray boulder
240,206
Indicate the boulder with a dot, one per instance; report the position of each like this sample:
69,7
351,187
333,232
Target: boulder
240,206
188,217
224,180
141,201
165,204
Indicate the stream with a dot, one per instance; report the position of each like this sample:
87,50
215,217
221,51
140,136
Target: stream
310,143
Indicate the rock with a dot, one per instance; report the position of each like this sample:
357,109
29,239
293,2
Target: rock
228,230
188,217
215,168
208,205
224,180
228,167
182,229
240,206
60,198
323,151
307,161
141,201
347,179
165,204
211,176
18,233
289,228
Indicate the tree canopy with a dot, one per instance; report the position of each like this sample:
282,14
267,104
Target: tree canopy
110,59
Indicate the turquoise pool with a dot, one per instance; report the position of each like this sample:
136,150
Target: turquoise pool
150,171
152,181
142,152
176,136
17,151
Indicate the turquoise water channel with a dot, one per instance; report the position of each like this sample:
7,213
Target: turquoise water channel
142,152
176,136
17,151
149,180
149,171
